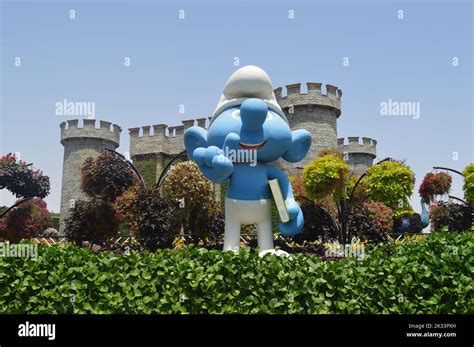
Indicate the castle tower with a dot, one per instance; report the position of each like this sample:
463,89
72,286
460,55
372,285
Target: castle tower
359,156
313,111
80,143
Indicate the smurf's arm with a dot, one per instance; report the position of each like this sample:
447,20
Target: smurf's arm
285,184
296,222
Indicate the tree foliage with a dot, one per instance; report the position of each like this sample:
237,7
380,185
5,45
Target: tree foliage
21,180
192,197
155,219
186,186
372,221
468,186
318,225
390,182
326,175
25,221
93,221
106,176
450,215
435,184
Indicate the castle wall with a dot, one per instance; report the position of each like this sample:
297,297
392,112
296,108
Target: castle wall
159,143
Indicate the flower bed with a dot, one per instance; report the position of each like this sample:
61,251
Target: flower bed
432,275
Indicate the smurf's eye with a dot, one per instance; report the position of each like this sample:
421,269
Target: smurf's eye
236,114
269,116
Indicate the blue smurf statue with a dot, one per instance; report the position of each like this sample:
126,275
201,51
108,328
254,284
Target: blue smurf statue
247,132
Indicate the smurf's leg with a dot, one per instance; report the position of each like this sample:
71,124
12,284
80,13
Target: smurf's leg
232,230
265,236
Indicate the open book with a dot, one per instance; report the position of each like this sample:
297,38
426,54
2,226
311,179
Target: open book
279,200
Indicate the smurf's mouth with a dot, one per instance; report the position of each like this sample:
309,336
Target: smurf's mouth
253,146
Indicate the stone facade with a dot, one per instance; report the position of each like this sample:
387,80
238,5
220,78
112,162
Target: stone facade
314,111
80,143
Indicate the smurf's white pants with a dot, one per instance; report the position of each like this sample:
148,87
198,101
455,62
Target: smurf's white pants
238,212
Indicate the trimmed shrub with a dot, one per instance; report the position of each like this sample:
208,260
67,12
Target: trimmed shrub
391,182
21,180
106,176
428,276
185,185
208,226
326,175
454,217
468,186
317,225
373,221
435,184
299,189
155,220
26,220
191,195
330,151
94,221
126,208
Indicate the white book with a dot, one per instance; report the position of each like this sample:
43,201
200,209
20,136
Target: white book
279,200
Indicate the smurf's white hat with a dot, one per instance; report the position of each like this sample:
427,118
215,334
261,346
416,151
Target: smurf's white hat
248,82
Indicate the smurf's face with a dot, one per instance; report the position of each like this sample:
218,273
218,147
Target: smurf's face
259,128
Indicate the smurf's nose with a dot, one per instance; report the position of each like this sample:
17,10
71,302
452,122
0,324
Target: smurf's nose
253,113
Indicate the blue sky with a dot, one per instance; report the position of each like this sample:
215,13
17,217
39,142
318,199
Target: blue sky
175,61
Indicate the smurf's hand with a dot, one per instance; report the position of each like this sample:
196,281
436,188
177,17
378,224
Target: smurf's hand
296,222
212,160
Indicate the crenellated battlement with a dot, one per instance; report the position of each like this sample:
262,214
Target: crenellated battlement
161,137
294,97
353,146
71,129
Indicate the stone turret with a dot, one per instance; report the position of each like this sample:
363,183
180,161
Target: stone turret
80,143
359,156
313,111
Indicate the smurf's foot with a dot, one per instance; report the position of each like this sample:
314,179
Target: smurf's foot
274,252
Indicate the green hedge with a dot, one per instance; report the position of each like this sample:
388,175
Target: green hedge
433,275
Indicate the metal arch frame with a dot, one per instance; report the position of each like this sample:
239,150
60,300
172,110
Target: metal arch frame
362,176
19,202
460,174
164,174
129,163
447,169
